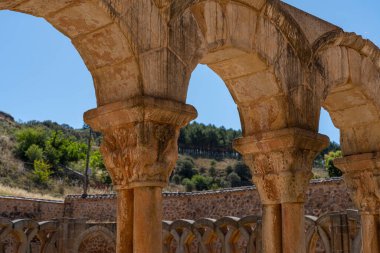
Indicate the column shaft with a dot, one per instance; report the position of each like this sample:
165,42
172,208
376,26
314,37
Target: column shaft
124,238
361,173
147,228
293,228
271,228
370,233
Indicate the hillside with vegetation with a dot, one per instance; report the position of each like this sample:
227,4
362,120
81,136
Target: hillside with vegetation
46,158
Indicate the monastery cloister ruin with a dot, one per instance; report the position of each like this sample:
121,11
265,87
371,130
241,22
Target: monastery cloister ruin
281,66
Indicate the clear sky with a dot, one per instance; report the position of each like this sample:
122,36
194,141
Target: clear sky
43,77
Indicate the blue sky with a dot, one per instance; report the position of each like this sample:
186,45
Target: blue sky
43,77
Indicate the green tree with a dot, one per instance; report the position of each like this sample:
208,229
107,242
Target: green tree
189,185
228,170
74,151
201,183
244,173
185,168
212,171
100,171
26,137
60,150
234,179
319,160
329,163
176,179
34,152
41,171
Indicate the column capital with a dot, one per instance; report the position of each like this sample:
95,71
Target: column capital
362,176
279,140
139,109
140,139
281,162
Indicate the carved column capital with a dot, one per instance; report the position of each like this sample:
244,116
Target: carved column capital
281,162
362,176
140,139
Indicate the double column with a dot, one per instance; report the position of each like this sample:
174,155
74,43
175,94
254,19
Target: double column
281,163
140,150
362,176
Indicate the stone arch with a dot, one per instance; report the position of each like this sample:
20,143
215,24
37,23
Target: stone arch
48,235
255,55
99,38
96,239
347,70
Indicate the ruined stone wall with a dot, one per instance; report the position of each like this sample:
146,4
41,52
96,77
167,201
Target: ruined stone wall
323,196
16,208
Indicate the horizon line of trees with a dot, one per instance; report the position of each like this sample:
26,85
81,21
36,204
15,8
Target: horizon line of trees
198,139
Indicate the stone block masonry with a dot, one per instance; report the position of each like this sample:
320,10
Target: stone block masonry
323,196
36,209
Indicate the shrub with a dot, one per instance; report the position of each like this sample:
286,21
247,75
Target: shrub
185,169
234,179
26,137
212,171
176,179
201,183
189,185
244,173
228,170
34,152
329,163
42,171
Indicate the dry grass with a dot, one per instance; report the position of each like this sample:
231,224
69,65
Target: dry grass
174,188
320,173
91,191
17,192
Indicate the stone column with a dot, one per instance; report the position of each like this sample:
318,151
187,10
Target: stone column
362,176
140,151
281,163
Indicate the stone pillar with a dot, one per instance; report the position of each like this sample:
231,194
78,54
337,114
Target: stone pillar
281,163
140,151
362,176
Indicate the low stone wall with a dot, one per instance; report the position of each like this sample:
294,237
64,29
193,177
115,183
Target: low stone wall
36,209
323,196
98,208
326,196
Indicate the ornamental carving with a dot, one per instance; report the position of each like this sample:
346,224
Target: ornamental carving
362,177
281,176
281,162
364,190
140,153
140,138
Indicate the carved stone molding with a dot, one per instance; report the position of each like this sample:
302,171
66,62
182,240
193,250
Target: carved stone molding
140,139
281,162
362,176
139,109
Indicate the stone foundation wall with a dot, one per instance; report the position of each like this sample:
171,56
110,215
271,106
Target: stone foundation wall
17,208
323,196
